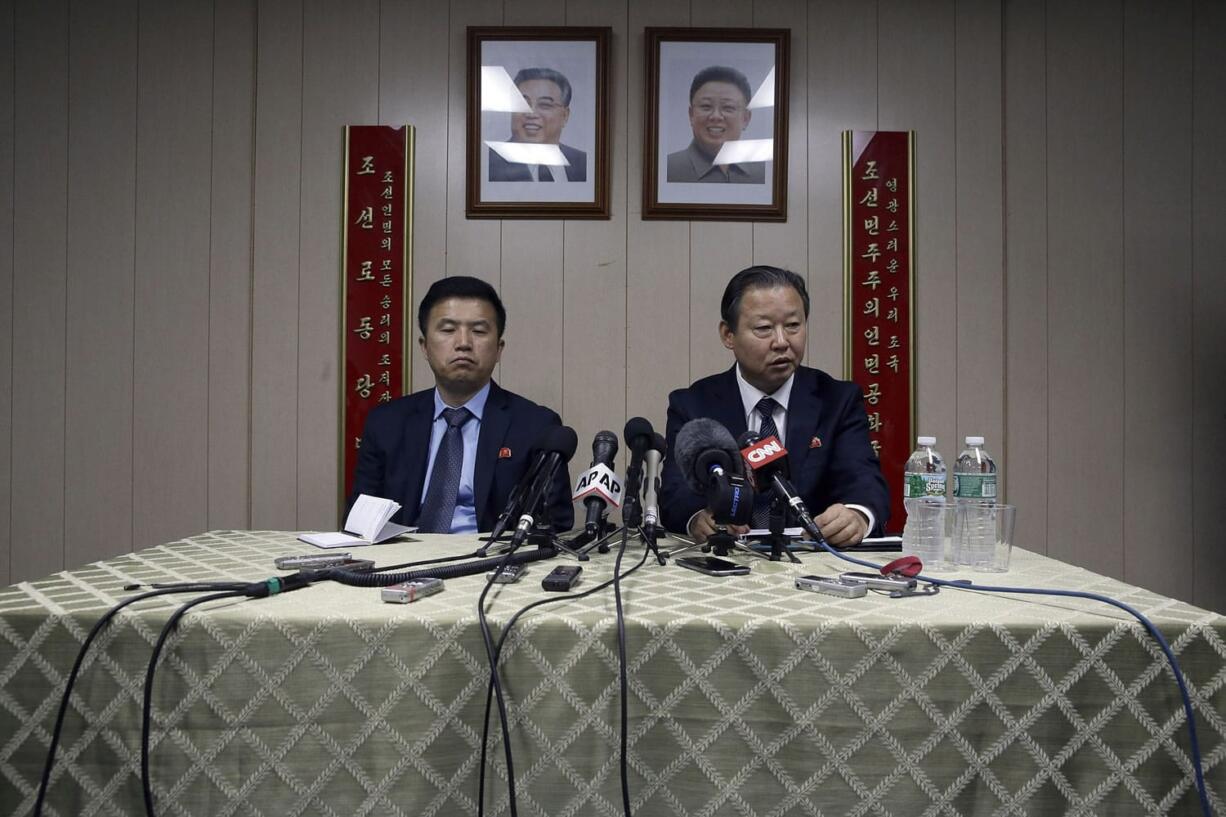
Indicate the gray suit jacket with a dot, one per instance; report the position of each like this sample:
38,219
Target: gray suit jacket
692,165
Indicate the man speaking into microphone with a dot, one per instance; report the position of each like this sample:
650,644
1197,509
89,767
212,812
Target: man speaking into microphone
452,455
819,420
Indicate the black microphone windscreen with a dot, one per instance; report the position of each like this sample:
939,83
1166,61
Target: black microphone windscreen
702,436
562,440
658,442
604,447
636,429
748,438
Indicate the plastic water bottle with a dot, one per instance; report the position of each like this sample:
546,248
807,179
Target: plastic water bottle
924,478
975,484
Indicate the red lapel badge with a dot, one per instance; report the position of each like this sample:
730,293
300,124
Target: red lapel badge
504,453
816,442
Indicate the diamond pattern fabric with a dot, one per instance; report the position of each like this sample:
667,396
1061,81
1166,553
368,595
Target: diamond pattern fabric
747,697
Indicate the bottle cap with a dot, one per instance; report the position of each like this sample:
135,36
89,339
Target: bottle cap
922,441
974,440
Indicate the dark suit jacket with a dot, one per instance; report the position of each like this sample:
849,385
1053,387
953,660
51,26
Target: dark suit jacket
843,468
503,171
396,444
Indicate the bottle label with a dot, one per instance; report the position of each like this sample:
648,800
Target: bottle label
917,485
975,486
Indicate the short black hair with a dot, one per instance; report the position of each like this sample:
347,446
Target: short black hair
460,286
556,77
754,277
721,73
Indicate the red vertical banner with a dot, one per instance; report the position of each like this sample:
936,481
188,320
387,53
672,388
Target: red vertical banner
376,278
879,293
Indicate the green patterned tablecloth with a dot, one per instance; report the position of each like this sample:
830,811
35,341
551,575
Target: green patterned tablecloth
747,697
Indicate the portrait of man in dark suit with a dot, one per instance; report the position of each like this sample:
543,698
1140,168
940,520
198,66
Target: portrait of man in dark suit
548,95
719,113
821,421
452,454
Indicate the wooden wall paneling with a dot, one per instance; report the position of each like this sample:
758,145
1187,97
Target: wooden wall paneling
1208,302
473,245
230,264
1157,304
340,87
657,252
594,268
531,263
718,249
173,161
979,198
786,244
841,85
40,185
916,69
275,279
1085,284
413,43
102,81
7,135
1026,326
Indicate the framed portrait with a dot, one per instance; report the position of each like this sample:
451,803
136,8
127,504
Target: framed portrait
715,141
538,123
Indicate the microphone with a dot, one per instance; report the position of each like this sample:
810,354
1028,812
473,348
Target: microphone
653,458
638,435
599,486
767,460
515,499
559,446
710,462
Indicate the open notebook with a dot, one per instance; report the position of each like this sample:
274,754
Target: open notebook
367,524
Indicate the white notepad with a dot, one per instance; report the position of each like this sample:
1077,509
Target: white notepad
367,524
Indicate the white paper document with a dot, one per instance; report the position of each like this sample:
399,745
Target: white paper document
367,524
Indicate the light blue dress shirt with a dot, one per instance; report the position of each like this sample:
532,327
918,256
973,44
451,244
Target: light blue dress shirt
465,518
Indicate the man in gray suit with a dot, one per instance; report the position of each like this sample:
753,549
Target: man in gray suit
719,113
548,94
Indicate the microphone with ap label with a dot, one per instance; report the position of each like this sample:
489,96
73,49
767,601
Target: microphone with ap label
599,487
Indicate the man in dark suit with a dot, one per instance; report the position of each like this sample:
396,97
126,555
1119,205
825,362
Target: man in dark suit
547,93
451,455
821,421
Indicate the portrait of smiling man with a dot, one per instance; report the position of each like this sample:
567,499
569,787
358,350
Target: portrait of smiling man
451,455
821,421
548,95
719,113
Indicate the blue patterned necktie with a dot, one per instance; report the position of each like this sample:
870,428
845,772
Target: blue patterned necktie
762,500
439,506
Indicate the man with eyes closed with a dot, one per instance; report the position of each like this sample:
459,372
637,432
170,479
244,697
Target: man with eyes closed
451,455
821,421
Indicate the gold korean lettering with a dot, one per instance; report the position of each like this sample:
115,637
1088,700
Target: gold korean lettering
385,378
366,218
892,205
870,198
870,171
385,359
893,294
364,330
894,343
872,226
872,253
364,386
388,177
892,227
874,421
892,315
892,266
873,395
385,243
872,307
385,397
873,335
892,184
385,281
876,444
873,280
385,302
368,166
385,319
367,273
892,245
893,363
385,337
386,210
872,364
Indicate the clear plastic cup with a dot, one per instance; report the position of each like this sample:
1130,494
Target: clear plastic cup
983,536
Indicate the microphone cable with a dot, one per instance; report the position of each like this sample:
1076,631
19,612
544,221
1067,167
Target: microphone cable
617,575
1081,594
147,706
242,588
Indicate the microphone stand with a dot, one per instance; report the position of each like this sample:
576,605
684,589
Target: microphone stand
778,541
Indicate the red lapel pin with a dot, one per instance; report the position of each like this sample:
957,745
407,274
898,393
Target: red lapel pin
816,442
504,453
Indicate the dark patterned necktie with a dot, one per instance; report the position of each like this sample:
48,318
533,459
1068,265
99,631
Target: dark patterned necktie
762,500
439,506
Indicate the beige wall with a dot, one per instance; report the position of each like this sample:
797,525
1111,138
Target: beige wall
169,253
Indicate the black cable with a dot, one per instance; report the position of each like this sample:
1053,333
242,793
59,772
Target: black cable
498,652
146,713
76,670
496,686
441,560
366,579
621,660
